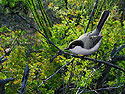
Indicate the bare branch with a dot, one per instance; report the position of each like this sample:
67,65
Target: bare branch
104,62
57,54
115,51
107,63
119,58
91,15
100,89
94,71
113,60
32,26
3,60
24,79
56,72
2,84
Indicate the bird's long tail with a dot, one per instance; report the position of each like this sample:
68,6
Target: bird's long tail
103,19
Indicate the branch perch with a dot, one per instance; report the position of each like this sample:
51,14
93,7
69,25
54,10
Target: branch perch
32,26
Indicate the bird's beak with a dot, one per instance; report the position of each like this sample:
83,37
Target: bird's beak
66,49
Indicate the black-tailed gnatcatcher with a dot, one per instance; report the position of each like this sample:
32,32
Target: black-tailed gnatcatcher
90,42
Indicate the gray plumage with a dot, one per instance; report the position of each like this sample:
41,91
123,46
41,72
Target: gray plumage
89,42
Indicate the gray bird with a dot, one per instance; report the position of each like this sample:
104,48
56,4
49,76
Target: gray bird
90,42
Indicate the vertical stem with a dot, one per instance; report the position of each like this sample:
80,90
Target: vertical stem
63,82
92,14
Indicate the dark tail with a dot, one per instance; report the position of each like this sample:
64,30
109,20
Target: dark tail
103,19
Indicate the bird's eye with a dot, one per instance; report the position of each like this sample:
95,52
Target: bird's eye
73,46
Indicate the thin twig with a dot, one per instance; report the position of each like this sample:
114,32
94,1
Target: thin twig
56,72
3,82
95,60
119,58
32,26
24,79
63,81
117,50
57,54
107,63
100,89
88,78
91,15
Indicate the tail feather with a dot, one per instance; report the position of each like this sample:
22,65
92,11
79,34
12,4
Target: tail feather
103,19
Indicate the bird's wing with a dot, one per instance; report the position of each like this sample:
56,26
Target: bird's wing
86,39
95,39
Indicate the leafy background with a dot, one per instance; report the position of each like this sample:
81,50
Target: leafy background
61,24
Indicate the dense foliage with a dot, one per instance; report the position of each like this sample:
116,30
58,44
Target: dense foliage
33,48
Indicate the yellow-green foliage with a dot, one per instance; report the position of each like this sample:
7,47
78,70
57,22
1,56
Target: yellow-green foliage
37,52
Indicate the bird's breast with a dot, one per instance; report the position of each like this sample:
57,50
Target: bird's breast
84,51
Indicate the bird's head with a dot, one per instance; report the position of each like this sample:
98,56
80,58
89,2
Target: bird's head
74,45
